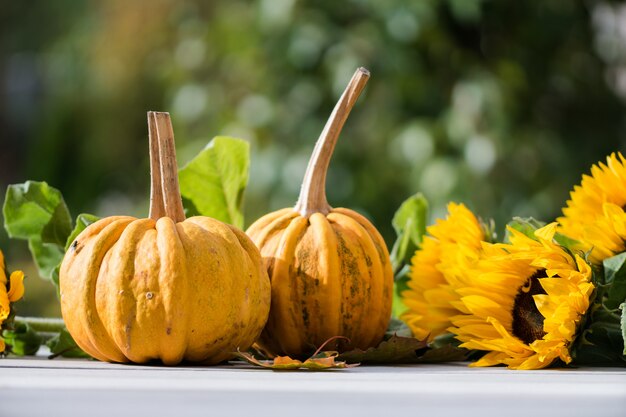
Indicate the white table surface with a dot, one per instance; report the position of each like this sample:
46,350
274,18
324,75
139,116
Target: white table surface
65,387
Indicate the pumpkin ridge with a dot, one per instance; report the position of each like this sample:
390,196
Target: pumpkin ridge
374,298
173,284
263,222
274,226
383,256
360,278
282,299
91,320
114,288
256,262
72,288
330,291
191,233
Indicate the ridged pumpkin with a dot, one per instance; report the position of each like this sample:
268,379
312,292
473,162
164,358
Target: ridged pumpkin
329,267
163,288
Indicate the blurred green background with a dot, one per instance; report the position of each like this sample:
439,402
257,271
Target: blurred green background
500,105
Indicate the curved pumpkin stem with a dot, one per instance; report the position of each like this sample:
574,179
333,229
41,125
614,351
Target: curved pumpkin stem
312,197
165,199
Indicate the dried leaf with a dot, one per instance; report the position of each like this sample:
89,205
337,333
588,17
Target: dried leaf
320,362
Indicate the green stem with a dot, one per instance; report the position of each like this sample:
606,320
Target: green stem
39,324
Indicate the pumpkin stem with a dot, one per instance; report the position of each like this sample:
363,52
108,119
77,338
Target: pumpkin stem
165,199
312,197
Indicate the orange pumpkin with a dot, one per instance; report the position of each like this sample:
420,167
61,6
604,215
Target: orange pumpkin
329,267
163,288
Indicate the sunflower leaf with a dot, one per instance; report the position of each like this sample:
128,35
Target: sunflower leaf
213,183
623,325
397,327
525,225
615,280
409,222
399,286
396,349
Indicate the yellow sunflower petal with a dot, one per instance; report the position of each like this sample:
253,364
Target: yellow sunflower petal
594,215
437,268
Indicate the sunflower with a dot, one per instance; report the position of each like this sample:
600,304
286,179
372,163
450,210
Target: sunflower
14,292
437,268
524,302
594,215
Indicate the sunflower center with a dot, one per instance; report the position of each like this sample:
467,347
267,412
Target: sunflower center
527,320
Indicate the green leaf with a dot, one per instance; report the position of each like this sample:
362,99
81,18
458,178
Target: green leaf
63,345
34,210
623,325
399,286
82,221
397,327
47,257
23,340
525,225
409,223
213,183
615,280
566,242
446,353
600,344
394,350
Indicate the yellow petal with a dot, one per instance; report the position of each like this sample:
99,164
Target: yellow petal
4,304
547,232
16,290
3,276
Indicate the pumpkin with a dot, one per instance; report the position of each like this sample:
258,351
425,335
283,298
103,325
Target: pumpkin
164,288
329,267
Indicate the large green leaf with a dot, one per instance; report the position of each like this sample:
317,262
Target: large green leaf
34,210
615,280
47,257
409,223
213,183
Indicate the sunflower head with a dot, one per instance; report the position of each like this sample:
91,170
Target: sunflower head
524,302
594,215
437,267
